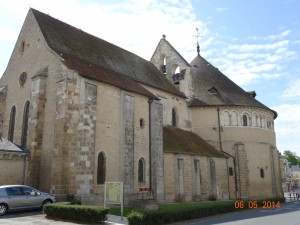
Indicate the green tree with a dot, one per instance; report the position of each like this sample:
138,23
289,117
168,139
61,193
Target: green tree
291,157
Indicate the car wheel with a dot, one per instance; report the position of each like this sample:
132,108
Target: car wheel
47,201
3,209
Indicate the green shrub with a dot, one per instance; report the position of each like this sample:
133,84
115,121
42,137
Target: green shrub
80,213
179,212
185,211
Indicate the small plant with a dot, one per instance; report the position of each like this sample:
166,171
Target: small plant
78,213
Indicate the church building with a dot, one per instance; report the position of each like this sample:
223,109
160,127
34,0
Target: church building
81,111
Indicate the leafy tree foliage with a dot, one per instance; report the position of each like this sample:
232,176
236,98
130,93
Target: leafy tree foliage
291,157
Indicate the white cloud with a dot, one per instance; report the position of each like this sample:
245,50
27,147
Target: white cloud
257,47
134,24
293,91
222,9
271,37
287,127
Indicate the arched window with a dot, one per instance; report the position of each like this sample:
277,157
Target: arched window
174,122
12,121
101,168
164,63
263,122
225,118
246,119
141,170
176,74
262,173
258,121
25,125
254,124
234,119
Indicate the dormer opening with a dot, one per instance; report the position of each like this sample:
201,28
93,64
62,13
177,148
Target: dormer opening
213,90
252,94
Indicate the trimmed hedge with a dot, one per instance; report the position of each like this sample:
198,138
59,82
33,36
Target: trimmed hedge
179,212
79,213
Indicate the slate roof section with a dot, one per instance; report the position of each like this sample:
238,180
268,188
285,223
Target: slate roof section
180,141
195,102
6,145
205,76
92,71
65,39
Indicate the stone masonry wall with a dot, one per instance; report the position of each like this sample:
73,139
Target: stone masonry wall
2,108
36,125
242,171
15,165
176,191
157,157
127,146
173,59
83,155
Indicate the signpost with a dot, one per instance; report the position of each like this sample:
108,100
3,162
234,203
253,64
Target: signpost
113,194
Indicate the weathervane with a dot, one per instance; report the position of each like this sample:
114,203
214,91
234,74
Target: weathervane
198,47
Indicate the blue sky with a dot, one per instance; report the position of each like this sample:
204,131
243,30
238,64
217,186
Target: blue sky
255,43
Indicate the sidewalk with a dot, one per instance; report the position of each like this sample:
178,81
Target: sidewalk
292,195
116,220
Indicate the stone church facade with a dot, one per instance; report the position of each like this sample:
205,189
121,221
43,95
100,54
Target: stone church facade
85,111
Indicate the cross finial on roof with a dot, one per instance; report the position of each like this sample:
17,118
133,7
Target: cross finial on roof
198,47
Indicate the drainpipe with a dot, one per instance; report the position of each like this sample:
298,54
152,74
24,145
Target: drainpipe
234,160
24,168
150,161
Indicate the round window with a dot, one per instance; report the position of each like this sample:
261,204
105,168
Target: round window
23,78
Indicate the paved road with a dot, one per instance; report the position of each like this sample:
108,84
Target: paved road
35,217
288,214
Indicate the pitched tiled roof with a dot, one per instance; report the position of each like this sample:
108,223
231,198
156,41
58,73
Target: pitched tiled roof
205,76
180,141
67,40
6,145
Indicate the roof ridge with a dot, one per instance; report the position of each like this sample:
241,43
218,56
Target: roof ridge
67,39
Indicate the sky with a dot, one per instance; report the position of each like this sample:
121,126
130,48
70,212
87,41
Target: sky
255,43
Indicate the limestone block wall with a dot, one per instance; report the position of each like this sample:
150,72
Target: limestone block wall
32,56
181,181
250,145
166,55
157,158
3,91
169,102
122,134
127,145
108,132
222,178
36,125
73,170
141,140
15,165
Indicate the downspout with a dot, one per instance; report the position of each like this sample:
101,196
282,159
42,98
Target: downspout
234,161
24,168
150,161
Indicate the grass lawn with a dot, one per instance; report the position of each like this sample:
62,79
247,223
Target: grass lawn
117,211
171,207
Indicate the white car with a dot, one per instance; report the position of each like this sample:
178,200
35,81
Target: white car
19,197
